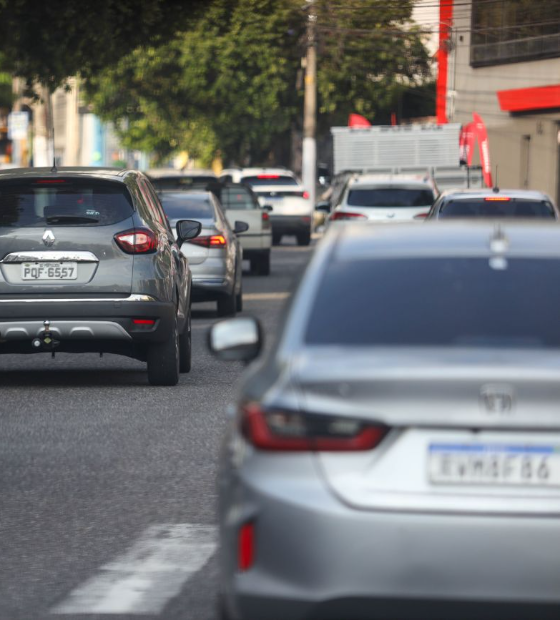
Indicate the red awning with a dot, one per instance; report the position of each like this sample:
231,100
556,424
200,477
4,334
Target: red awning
527,99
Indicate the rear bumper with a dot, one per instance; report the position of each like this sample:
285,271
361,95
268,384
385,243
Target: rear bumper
317,558
254,242
86,320
290,224
209,288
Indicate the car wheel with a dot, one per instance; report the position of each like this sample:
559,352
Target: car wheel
304,238
164,360
263,265
227,305
185,347
276,238
239,300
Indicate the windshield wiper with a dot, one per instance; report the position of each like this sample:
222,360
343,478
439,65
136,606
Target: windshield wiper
71,219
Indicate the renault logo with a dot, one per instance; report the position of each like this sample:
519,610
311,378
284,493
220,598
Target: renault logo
497,399
49,238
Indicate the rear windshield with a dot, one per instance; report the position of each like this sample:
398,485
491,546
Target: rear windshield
438,302
63,202
181,207
186,182
390,197
281,194
237,198
497,208
269,179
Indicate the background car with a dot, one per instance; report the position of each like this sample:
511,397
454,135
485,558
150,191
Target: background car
215,256
397,456
385,198
90,264
240,202
493,203
292,212
171,179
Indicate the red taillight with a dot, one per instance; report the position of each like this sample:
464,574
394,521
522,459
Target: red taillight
144,322
421,216
293,431
344,215
265,216
268,176
305,195
49,181
137,241
213,241
246,547
497,199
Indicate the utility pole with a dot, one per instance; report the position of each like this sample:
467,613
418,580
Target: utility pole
309,155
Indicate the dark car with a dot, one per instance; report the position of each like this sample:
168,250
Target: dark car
169,179
493,204
89,263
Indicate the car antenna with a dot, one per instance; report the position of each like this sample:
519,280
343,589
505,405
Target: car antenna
496,187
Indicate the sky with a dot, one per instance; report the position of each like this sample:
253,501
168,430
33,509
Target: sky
426,13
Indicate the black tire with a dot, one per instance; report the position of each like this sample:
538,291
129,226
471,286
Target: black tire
239,300
163,360
304,238
227,305
276,238
263,265
185,347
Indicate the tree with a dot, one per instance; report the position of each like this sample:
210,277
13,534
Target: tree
228,83
49,41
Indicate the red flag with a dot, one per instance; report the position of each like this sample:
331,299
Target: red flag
466,144
356,120
482,136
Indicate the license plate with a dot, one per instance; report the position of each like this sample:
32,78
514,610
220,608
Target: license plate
494,464
49,271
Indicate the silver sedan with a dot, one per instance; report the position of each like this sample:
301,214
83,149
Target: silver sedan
397,452
215,256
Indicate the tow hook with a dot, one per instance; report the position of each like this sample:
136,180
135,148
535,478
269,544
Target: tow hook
46,339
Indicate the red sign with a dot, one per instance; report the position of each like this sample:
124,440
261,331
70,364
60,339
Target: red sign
357,120
482,136
466,144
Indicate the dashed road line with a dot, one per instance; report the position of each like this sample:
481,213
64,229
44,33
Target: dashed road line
143,579
265,296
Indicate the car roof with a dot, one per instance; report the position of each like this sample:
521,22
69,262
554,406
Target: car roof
158,173
118,174
371,181
460,194
246,172
194,194
353,241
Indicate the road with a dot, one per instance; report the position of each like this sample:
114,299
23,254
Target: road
107,485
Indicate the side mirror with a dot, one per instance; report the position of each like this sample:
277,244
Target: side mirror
187,229
240,227
238,339
268,208
324,206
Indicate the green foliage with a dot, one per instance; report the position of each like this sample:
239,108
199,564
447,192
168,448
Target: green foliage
51,40
227,84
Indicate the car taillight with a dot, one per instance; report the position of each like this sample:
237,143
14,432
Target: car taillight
246,547
137,241
497,199
293,431
265,220
211,241
421,216
344,215
305,195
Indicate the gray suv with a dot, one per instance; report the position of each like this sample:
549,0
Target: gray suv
89,263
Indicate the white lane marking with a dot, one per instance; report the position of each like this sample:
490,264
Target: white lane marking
264,296
144,578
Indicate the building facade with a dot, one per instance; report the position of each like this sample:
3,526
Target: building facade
503,62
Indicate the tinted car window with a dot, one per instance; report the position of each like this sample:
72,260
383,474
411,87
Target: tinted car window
390,197
269,179
237,198
186,182
438,302
179,207
63,202
497,208
280,194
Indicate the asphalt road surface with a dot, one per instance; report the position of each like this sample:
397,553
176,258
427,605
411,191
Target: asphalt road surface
107,485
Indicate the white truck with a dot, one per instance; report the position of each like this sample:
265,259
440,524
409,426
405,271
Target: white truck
405,149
